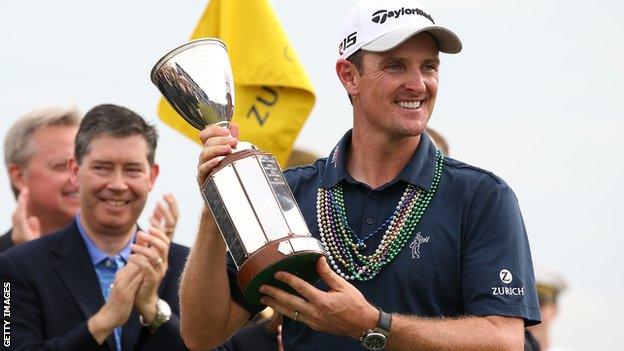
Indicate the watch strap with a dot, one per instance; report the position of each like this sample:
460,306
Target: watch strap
385,321
163,314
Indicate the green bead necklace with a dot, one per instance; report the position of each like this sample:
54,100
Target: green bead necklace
343,245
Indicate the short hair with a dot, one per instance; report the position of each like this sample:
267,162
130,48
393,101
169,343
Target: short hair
18,148
18,145
357,59
115,121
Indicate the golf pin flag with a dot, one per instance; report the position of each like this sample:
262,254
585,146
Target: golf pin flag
274,95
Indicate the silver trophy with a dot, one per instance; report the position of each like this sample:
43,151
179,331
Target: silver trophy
247,194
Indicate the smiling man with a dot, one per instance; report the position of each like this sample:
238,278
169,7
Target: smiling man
101,283
36,151
424,252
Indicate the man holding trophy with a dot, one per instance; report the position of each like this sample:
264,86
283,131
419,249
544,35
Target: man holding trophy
419,251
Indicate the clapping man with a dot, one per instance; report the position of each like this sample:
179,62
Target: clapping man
101,283
37,149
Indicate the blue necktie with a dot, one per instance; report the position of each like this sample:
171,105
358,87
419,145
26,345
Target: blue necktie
106,270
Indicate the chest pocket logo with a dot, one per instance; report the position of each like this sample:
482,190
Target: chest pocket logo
415,245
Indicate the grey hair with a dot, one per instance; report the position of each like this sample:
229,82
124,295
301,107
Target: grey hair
18,148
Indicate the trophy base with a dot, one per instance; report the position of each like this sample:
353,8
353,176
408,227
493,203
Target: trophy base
295,255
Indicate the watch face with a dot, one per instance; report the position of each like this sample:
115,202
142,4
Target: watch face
374,341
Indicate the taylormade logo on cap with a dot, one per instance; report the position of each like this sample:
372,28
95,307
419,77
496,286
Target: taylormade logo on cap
381,25
381,15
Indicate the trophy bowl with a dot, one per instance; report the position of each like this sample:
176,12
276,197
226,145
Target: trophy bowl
247,194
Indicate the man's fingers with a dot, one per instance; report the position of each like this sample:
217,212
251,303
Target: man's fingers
167,214
157,249
305,289
333,280
151,254
285,301
34,226
157,215
124,275
145,264
135,283
234,130
22,200
159,239
211,132
221,141
141,238
302,314
204,170
154,222
211,152
173,205
19,215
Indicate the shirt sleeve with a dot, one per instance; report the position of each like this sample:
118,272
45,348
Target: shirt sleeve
497,270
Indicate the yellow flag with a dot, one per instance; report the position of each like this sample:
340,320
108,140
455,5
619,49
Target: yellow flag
274,95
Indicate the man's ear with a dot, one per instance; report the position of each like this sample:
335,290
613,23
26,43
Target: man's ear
17,175
348,75
155,169
73,166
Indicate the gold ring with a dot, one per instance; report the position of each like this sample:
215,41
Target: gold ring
159,261
295,315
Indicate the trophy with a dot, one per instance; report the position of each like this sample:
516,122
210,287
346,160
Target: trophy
247,194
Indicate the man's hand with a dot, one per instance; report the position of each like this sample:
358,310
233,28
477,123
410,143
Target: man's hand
217,141
165,216
25,228
342,310
150,253
119,305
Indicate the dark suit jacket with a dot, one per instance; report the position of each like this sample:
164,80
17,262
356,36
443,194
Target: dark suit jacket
5,241
54,290
253,337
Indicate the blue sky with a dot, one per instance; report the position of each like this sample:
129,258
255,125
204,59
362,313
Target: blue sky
533,97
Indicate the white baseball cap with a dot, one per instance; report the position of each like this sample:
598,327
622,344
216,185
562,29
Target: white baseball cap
381,25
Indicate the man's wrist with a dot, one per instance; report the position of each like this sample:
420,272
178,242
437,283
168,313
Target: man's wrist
377,338
148,311
99,326
368,320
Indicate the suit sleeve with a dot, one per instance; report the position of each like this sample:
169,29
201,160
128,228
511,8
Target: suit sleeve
167,337
6,242
24,319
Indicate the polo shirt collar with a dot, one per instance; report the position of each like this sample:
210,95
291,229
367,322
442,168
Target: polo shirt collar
418,172
95,253
336,163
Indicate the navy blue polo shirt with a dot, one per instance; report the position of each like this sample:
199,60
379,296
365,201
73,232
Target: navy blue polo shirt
473,258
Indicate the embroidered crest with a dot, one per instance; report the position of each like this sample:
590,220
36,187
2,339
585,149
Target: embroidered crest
415,245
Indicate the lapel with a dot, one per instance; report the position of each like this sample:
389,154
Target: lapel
74,267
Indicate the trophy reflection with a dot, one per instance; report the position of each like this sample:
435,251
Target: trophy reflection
247,194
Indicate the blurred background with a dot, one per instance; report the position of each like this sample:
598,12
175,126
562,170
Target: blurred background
534,97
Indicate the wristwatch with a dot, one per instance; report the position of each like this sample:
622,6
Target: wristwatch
376,339
163,314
